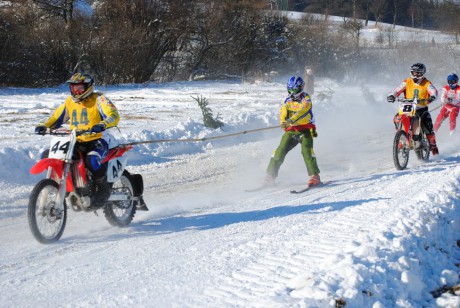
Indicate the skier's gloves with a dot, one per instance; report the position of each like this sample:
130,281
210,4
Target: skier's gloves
285,125
40,130
313,132
431,98
97,128
391,98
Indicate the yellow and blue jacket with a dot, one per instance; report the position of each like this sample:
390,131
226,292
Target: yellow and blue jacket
298,113
95,109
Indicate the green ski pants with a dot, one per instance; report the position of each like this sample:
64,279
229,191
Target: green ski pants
289,140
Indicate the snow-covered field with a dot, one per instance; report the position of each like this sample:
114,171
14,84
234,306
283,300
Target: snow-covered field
372,237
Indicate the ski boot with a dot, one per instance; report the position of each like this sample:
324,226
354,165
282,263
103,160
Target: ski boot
314,180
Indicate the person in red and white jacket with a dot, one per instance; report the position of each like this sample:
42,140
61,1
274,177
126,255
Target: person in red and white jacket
450,97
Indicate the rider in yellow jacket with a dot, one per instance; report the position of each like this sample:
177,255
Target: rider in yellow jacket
427,94
91,111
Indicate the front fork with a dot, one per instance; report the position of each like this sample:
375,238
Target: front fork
63,184
59,203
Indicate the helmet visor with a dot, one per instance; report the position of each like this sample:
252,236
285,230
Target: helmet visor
77,88
452,81
293,91
417,74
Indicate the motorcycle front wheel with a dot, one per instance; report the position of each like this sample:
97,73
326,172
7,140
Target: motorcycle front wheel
401,149
46,222
121,213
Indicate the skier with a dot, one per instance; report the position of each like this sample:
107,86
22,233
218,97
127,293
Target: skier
428,92
450,97
87,110
298,123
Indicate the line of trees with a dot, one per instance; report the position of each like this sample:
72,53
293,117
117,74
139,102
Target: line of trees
423,14
42,42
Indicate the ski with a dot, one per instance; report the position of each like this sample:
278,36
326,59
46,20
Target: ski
308,188
300,191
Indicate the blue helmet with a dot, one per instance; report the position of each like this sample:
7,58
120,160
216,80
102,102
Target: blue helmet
295,86
452,80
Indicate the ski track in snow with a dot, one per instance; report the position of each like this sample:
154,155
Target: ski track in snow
308,250
372,236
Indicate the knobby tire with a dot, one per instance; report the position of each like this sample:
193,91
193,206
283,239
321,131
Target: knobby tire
401,146
121,213
41,211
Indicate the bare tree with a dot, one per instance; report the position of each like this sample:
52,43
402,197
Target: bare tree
61,8
378,8
354,28
355,9
448,19
145,31
396,11
367,10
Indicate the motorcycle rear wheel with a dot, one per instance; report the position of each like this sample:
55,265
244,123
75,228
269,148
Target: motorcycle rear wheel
45,221
121,213
401,149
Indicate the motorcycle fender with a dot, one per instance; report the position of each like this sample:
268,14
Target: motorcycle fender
115,168
45,163
402,122
139,183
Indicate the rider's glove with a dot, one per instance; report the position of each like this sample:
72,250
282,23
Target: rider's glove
40,130
313,132
97,128
391,98
285,125
431,98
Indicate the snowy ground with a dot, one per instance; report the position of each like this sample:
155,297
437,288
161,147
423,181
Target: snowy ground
372,237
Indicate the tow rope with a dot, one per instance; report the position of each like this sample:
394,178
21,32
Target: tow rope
202,139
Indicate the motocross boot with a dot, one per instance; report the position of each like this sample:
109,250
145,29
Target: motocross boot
432,140
101,191
141,206
417,142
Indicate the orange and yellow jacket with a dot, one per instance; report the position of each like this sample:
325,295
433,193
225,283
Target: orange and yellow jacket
83,115
425,88
298,113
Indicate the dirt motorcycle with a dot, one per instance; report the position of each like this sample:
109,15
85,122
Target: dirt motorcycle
68,184
408,126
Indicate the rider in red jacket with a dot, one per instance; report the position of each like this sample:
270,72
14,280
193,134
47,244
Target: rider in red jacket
450,97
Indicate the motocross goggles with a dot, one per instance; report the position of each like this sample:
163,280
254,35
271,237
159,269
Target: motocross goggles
452,81
416,74
293,91
294,94
77,88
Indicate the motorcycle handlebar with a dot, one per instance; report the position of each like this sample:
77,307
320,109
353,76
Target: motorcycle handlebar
65,132
410,100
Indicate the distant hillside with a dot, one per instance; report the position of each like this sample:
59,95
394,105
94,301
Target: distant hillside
141,41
